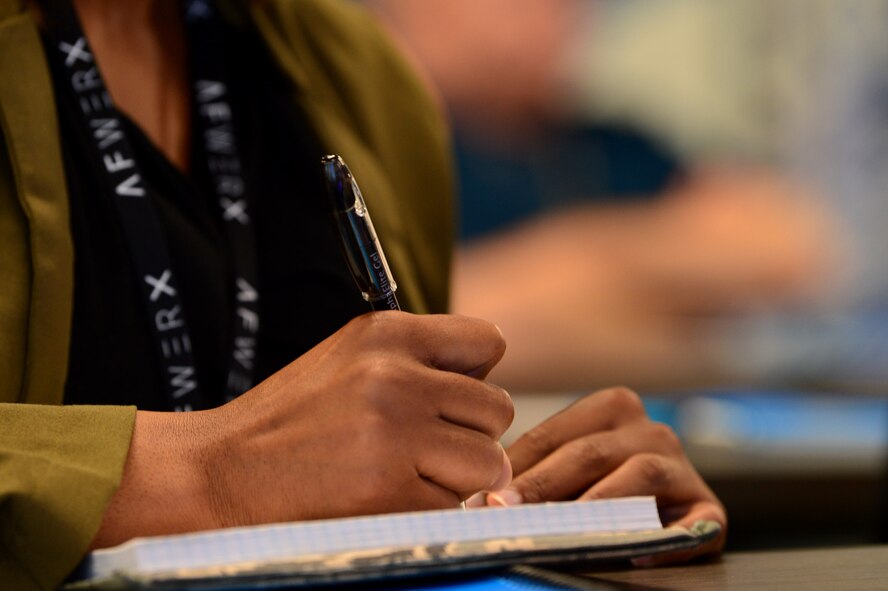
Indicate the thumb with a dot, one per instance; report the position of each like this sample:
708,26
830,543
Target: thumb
503,491
505,476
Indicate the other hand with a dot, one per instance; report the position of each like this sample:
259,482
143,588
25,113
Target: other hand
605,446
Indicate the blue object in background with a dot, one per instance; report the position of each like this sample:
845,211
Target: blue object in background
499,188
797,419
775,419
662,410
514,579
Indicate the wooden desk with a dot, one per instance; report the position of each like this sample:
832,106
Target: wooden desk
858,568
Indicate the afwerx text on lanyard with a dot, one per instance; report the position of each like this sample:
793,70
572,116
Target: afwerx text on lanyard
136,210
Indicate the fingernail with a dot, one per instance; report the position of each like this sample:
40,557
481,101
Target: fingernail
476,500
504,498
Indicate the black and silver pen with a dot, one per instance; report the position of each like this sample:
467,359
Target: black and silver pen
361,247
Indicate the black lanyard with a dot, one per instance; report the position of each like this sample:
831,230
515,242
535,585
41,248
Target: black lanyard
135,208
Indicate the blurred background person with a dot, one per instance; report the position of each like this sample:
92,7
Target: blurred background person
684,194
623,200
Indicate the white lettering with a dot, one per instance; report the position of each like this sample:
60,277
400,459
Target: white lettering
249,319
75,52
234,210
233,186
106,131
160,285
208,90
175,345
223,164
245,351
219,140
85,79
116,162
180,379
95,102
130,187
168,319
245,291
216,112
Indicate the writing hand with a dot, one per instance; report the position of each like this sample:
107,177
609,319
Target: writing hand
602,446
391,413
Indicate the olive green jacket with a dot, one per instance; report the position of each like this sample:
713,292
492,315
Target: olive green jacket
60,465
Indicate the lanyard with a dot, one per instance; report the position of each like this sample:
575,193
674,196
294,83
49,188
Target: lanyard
131,197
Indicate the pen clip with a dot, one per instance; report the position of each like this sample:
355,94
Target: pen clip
359,241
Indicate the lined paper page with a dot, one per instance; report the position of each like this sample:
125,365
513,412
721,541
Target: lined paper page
282,541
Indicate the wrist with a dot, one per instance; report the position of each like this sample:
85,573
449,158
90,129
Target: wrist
164,488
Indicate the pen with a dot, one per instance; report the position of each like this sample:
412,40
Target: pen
360,244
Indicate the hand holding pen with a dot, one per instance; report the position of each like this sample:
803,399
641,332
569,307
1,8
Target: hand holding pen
363,252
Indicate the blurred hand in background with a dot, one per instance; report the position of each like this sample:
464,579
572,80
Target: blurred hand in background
765,213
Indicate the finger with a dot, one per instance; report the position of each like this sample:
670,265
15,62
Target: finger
471,403
672,480
710,548
505,476
496,489
701,511
452,343
682,498
600,411
459,459
477,500
406,393
571,469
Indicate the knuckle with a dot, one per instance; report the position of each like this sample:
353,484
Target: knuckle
362,324
538,441
384,326
496,340
590,452
534,487
654,470
488,338
625,403
382,383
374,371
664,438
504,408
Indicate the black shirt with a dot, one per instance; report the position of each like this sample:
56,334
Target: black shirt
306,292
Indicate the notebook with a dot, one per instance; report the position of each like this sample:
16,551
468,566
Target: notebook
373,548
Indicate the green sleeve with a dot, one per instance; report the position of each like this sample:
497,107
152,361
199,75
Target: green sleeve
59,467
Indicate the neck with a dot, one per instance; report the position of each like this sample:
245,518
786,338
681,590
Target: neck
139,46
